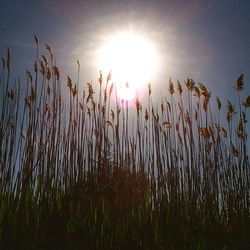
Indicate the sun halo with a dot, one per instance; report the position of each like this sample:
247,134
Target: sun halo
132,59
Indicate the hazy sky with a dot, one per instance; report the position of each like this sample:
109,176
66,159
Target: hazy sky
207,40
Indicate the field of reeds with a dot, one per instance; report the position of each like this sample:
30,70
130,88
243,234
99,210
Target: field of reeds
80,169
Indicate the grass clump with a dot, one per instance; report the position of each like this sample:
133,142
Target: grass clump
77,172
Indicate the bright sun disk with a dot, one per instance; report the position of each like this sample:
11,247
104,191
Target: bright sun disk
132,61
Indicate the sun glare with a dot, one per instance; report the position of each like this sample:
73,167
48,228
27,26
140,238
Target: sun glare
132,60
126,93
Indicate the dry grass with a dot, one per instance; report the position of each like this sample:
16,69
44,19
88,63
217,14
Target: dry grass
77,173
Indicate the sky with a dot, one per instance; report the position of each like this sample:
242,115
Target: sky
206,40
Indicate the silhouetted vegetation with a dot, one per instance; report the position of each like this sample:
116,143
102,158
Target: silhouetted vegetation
77,172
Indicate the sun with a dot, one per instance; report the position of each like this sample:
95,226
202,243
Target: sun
132,60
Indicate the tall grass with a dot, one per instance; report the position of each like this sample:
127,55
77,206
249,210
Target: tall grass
77,172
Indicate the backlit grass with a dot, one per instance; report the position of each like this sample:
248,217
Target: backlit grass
78,172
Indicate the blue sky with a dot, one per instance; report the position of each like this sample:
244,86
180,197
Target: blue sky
207,40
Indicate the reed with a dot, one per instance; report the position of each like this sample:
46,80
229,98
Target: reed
83,172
